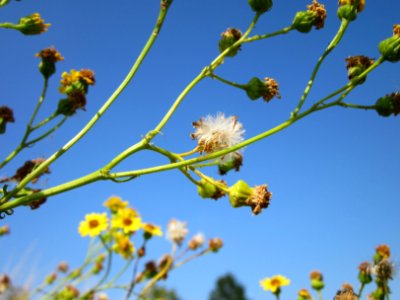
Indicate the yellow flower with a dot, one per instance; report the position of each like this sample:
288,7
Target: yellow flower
93,224
32,24
127,219
76,80
273,284
152,229
123,245
115,203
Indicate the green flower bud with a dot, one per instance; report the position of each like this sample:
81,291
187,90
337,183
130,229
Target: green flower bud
239,193
260,6
234,164
388,105
32,24
356,65
314,16
209,190
390,48
257,88
347,9
228,38
364,276
317,284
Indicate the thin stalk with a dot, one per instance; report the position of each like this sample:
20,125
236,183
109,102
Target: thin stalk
109,264
268,35
22,145
104,108
211,180
319,295
135,269
332,45
358,106
45,121
193,151
234,84
210,164
361,290
190,258
46,134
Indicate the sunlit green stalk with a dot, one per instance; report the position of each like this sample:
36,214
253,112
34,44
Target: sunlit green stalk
46,134
103,109
234,84
335,41
268,35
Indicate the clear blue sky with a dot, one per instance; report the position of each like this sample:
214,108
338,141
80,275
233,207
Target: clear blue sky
334,175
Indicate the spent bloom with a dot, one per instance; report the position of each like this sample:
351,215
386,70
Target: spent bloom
32,24
127,219
176,231
93,225
6,116
123,245
49,58
197,241
218,132
317,280
274,283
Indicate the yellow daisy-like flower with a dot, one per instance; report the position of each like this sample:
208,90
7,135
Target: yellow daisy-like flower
115,203
93,225
152,229
127,219
274,284
83,76
123,245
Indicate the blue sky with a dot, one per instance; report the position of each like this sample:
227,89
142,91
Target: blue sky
334,175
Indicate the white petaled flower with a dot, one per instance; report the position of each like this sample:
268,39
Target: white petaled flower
177,231
218,132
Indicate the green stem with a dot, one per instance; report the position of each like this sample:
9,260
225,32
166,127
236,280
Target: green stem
319,295
109,264
265,36
22,145
190,258
210,164
8,25
46,134
234,84
135,269
335,41
45,121
351,105
361,290
103,109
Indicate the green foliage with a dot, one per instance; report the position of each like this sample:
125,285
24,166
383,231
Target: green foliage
227,288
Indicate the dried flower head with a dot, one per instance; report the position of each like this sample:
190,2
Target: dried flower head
50,55
217,133
274,283
35,204
6,114
176,231
360,6
317,280
346,294
383,250
228,38
215,244
32,24
356,65
196,242
63,267
384,270
26,169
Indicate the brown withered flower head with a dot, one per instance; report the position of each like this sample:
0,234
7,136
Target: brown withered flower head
383,250
50,55
365,267
396,29
346,294
384,270
356,65
259,199
63,267
26,169
7,114
215,244
273,89
35,204
319,12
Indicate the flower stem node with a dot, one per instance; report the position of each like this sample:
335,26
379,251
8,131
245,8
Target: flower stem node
228,38
388,105
314,16
49,58
260,6
209,190
348,9
356,65
32,24
390,48
267,89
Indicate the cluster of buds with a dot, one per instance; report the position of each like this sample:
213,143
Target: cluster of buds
315,15
6,116
348,9
258,198
266,89
75,85
356,65
98,264
26,169
32,24
49,58
388,105
317,280
228,38
390,48
260,6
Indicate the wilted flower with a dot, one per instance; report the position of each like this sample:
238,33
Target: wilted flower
32,24
356,65
365,271
346,294
6,116
26,169
176,231
314,16
383,251
215,244
127,219
390,48
274,283
228,38
384,270
63,267
93,225
234,163
347,10
317,280
209,190
49,58
388,105
217,133
267,89
196,242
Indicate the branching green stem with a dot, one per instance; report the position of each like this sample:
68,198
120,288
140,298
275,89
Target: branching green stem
234,84
269,35
335,41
